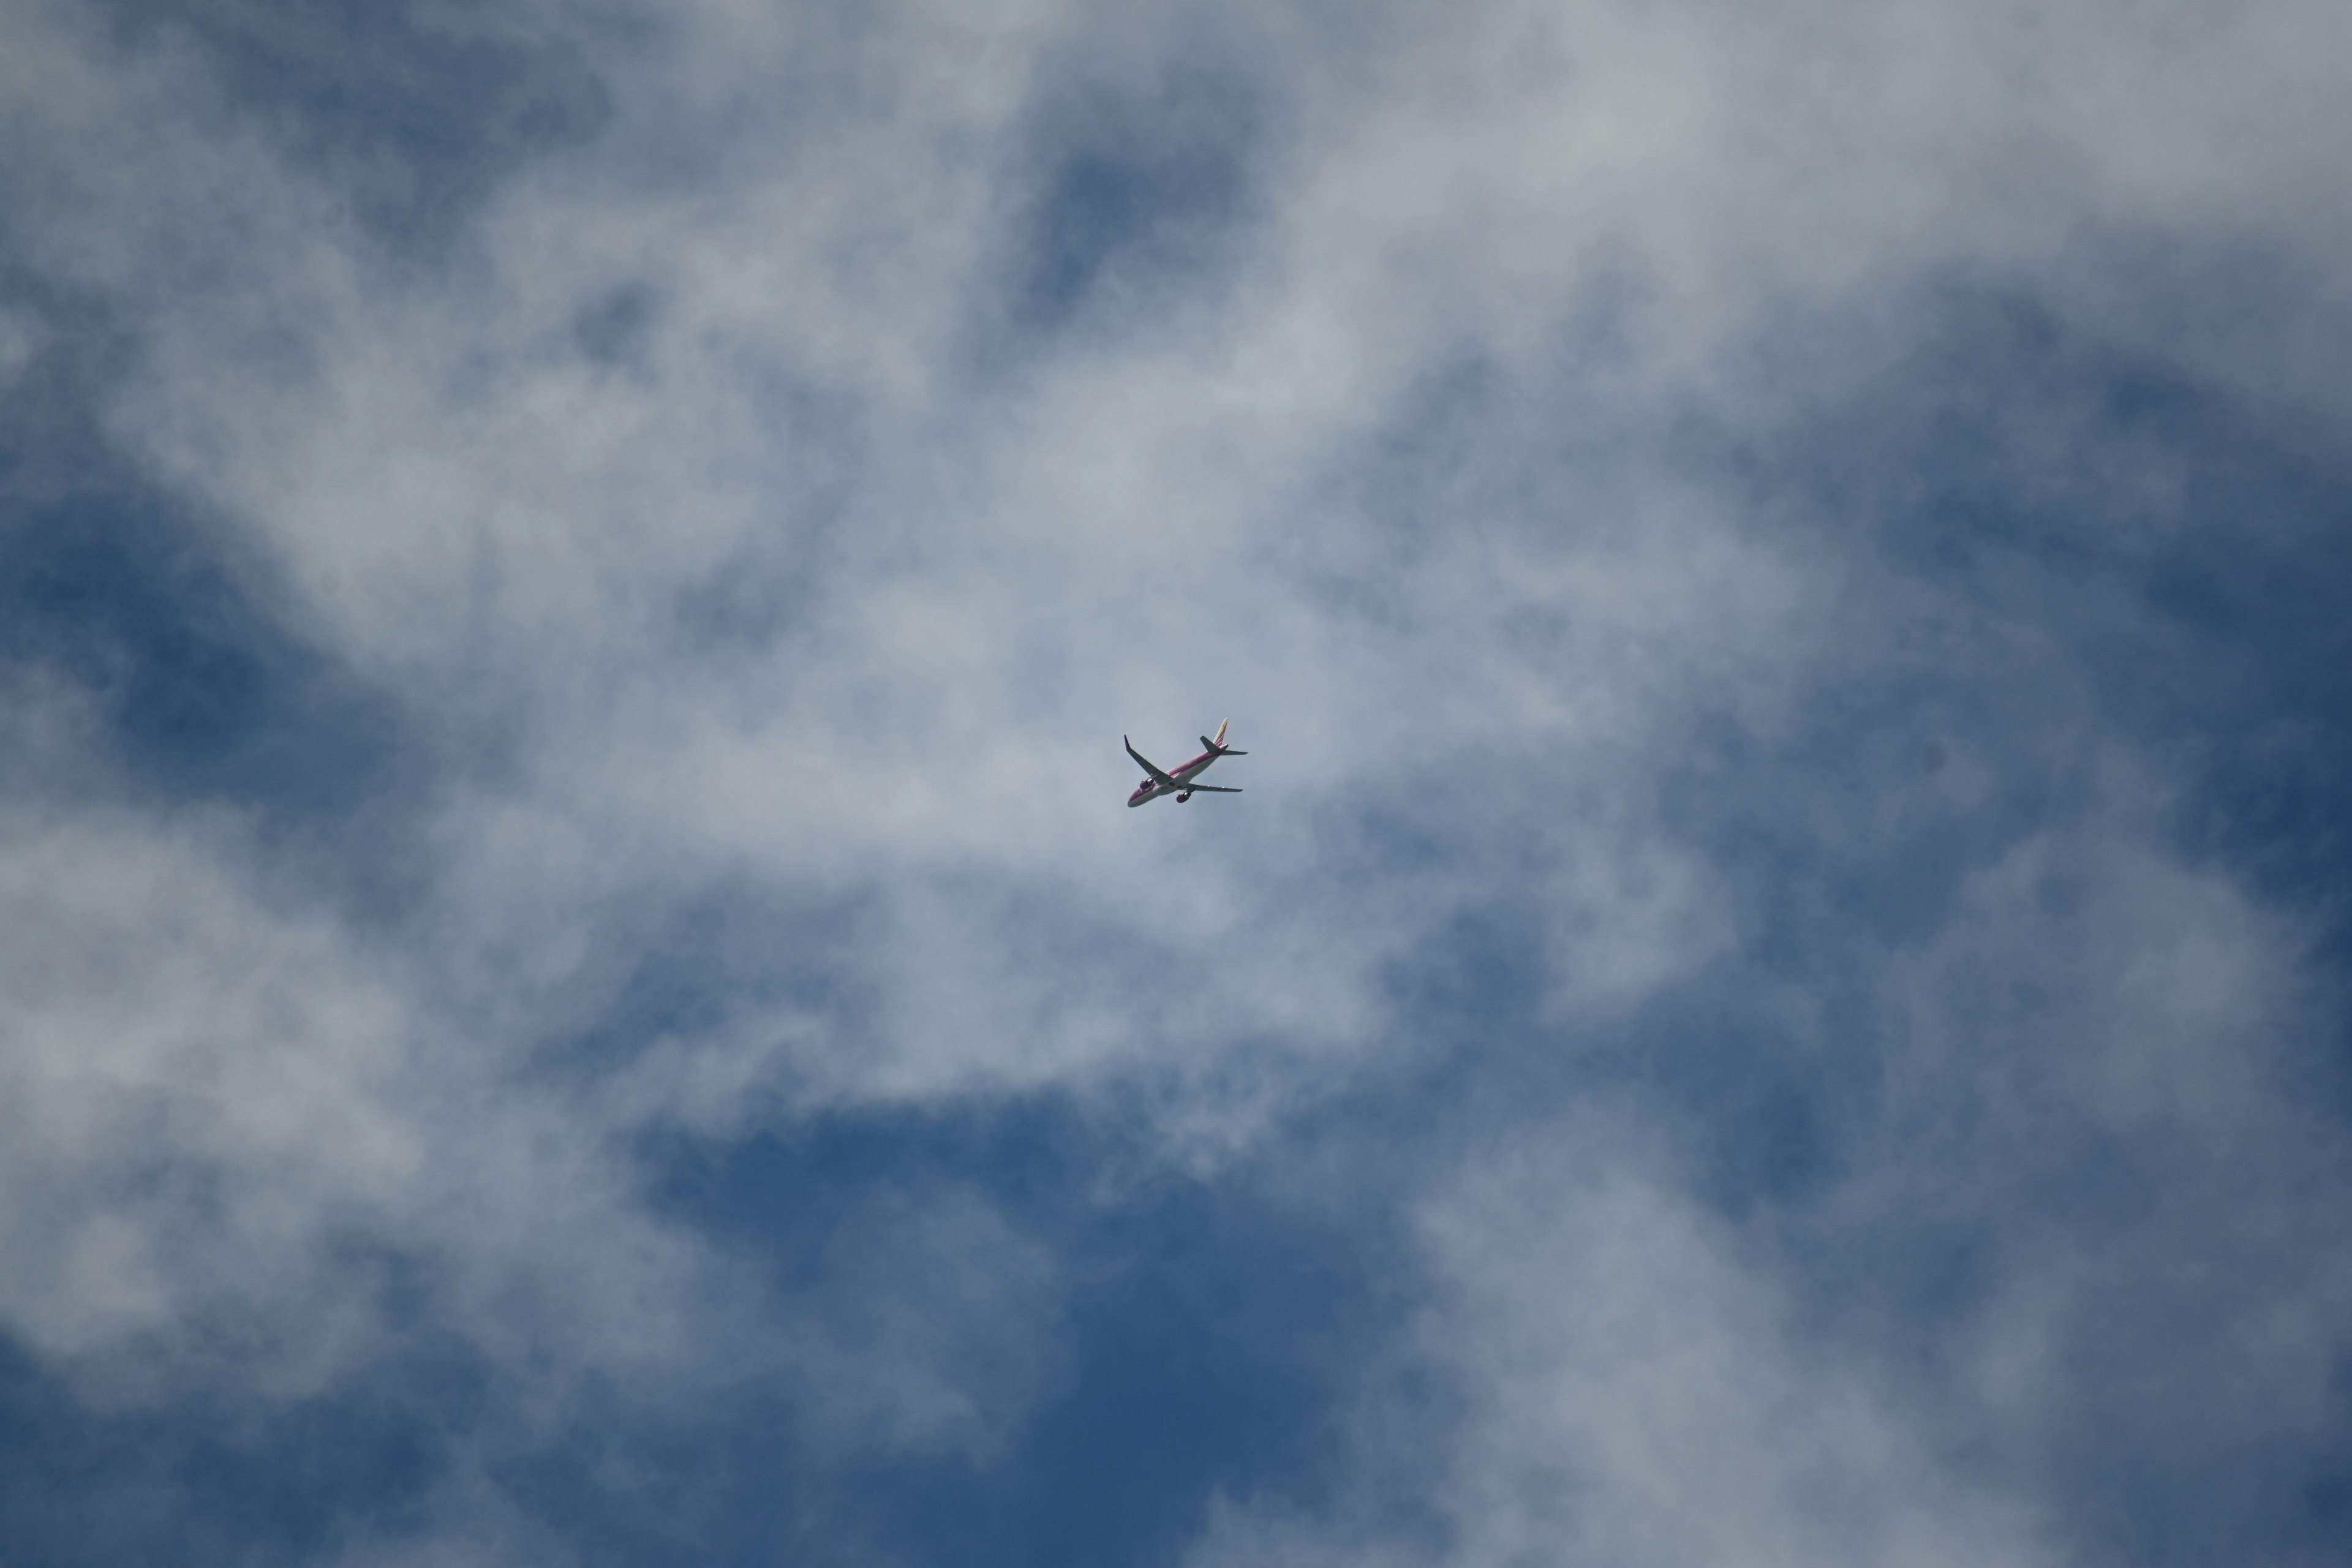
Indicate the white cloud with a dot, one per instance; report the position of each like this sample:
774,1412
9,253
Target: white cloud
226,1122
2061,1282
1637,1397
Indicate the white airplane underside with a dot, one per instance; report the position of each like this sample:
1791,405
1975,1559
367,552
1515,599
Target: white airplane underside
1178,781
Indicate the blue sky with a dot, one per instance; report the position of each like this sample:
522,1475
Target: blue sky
577,985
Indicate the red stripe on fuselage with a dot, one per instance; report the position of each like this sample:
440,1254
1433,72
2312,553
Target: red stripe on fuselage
1183,772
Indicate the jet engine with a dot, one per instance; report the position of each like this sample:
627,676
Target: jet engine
1182,796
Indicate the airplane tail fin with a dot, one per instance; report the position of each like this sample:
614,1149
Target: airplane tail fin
1217,742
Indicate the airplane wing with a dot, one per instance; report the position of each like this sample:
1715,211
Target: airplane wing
1157,777
1214,789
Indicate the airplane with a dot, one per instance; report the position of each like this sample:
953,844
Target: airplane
1178,781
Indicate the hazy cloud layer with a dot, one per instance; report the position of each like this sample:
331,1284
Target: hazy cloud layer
576,986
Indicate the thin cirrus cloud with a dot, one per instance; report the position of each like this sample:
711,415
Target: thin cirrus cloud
578,989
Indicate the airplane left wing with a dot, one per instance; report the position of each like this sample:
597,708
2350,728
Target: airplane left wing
1215,789
1148,767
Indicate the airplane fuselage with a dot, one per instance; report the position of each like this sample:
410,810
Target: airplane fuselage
1183,772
